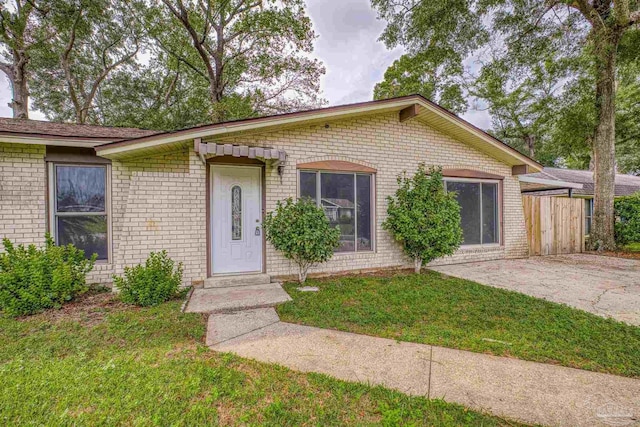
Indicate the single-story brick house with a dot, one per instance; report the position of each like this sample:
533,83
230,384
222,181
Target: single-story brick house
201,193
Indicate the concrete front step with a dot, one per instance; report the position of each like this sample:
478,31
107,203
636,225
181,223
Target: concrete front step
222,300
237,280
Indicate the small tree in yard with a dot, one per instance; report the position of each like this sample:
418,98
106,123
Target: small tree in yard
301,231
424,217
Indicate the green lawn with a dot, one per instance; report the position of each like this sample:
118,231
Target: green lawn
449,312
113,365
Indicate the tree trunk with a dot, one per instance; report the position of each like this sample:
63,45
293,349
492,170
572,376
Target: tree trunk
604,153
417,265
17,75
530,141
302,273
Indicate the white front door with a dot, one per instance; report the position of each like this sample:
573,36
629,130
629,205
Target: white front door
236,222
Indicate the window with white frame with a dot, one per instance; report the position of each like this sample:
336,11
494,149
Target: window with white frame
588,216
346,198
479,209
79,207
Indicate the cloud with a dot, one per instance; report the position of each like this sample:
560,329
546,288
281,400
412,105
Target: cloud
348,45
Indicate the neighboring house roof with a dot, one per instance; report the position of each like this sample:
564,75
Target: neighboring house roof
25,130
555,178
340,203
409,108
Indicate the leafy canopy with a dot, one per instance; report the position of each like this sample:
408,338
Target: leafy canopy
89,40
423,217
301,231
425,75
251,50
530,64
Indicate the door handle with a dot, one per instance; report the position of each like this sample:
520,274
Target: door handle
258,230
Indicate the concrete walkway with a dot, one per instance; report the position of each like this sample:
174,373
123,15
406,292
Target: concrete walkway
512,388
606,286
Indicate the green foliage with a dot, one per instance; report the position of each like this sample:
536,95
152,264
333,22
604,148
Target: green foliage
522,100
157,281
423,217
33,279
536,65
424,74
301,231
627,226
245,53
89,40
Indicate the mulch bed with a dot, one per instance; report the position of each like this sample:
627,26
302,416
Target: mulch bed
89,308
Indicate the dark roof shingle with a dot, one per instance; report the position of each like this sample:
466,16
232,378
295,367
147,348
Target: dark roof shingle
625,184
71,130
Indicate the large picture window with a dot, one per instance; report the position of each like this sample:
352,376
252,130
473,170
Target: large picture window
479,210
79,207
346,200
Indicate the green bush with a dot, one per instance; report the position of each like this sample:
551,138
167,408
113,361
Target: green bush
157,281
301,231
33,279
424,217
627,212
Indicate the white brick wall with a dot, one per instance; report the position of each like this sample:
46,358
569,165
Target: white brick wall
159,202
22,193
386,144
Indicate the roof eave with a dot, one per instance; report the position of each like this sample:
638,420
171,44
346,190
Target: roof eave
551,184
120,149
61,141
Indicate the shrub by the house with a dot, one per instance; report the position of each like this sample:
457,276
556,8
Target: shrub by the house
423,217
157,281
301,231
33,279
627,226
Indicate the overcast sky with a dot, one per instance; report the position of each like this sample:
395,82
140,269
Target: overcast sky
348,45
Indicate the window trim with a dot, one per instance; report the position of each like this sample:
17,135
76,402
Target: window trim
372,196
589,217
51,204
499,202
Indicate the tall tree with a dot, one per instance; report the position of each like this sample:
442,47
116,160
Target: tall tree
20,34
427,74
255,50
522,100
534,28
163,94
91,39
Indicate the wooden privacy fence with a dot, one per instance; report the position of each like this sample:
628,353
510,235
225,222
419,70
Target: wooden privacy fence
555,225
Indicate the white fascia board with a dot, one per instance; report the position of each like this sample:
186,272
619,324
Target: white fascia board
57,141
550,182
243,127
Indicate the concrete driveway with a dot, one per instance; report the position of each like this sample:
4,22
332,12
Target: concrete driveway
606,286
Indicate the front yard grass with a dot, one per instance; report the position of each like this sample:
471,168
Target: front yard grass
434,309
103,363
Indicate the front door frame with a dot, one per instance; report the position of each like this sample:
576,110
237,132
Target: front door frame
239,161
